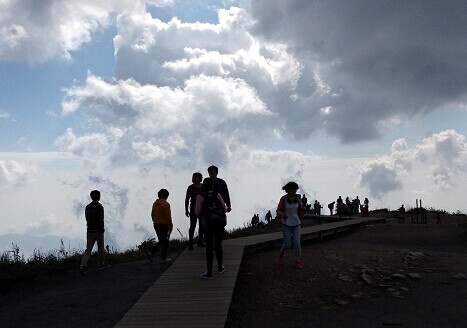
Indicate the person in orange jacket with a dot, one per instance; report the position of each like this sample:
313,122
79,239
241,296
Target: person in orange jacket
290,212
162,220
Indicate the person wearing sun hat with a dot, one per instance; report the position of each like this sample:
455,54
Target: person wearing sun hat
290,212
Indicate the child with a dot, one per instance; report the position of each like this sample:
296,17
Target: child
162,219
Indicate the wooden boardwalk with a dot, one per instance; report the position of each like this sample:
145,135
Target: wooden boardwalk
179,298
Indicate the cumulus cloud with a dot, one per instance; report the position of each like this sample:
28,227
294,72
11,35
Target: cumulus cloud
186,92
373,62
444,155
93,148
36,31
12,174
148,123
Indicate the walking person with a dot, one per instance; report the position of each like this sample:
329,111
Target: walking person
211,206
218,185
290,212
162,220
94,213
192,192
268,217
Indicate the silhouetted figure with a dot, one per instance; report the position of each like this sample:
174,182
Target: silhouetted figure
191,193
218,185
364,208
401,218
290,211
268,217
304,201
348,203
339,200
331,207
316,207
94,213
162,220
254,220
211,206
356,204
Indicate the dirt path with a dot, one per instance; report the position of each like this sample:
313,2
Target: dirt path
98,300
273,295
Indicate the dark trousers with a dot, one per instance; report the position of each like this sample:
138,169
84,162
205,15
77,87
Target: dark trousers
163,241
193,220
213,234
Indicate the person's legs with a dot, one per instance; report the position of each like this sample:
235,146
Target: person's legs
162,241
218,236
296,232
200,232
191,231
209,239
91,239
101,248
287,236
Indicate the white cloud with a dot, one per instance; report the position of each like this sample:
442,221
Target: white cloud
443,156
12,174
36,31
93,148
164,123
4,115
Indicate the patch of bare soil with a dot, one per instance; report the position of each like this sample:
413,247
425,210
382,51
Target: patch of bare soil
383,275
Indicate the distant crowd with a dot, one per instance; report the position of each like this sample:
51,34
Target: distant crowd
338,207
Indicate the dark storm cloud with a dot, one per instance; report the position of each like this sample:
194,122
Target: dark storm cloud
378,59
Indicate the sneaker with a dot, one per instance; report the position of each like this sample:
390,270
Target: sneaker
280,257
82,270
149,256
221,270
298,265
206,275
165,261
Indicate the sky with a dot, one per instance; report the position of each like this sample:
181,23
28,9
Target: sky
350,98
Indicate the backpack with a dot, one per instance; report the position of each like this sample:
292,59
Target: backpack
213,212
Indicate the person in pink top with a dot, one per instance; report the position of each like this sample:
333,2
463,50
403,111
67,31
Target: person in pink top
290,212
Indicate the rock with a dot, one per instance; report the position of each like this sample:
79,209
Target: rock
356,296
398,276
405,289
414,275
367,279
345,278
325,308
417,254
459,276
391,290
398,296
341,302
396,293
384,286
